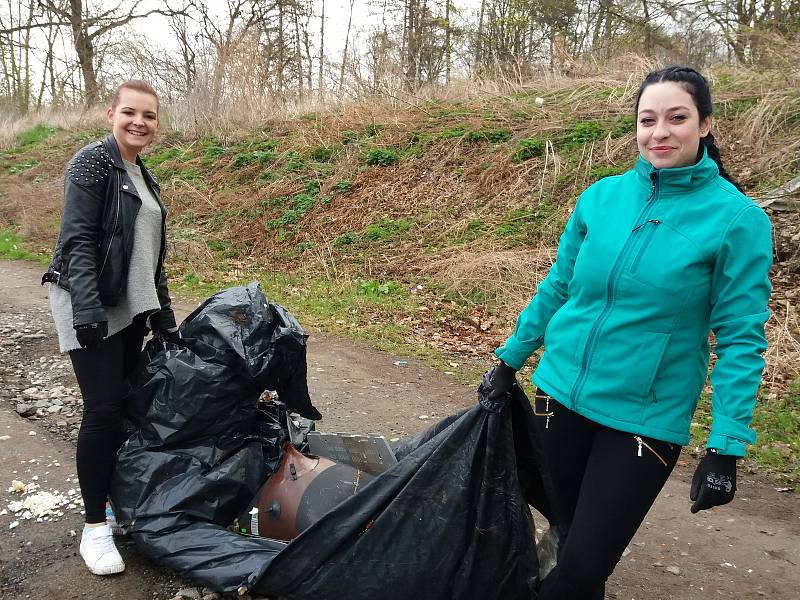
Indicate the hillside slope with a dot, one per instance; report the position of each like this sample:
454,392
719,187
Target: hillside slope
425,227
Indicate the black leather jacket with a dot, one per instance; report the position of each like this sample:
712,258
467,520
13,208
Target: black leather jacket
94,246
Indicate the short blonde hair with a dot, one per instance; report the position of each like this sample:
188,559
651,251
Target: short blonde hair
138,85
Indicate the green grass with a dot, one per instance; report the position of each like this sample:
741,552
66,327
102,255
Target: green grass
346,239
23,166
34,135
343,186
322,154
13,246
263,157
523,226
776,420
385,230
493,136
600,171
582,133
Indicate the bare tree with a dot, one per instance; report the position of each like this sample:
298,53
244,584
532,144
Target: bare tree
225,38
346,43
88,27
320,80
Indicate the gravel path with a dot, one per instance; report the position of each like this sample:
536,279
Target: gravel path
749,549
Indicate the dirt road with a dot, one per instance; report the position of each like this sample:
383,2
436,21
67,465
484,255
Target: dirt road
749,549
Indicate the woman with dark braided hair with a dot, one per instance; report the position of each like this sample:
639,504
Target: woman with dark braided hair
650,263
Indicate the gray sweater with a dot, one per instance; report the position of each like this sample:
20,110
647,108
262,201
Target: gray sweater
140,294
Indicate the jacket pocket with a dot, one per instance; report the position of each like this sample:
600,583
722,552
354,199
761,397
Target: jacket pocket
632,363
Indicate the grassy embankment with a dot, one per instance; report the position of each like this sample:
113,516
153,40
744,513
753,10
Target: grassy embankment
421,230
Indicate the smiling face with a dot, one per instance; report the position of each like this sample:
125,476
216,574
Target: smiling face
134,121
668,126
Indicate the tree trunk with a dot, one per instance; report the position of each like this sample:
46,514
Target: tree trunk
320,81
447,48
298,56
346,43
85,52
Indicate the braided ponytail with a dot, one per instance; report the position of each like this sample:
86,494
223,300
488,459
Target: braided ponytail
697,87
713,153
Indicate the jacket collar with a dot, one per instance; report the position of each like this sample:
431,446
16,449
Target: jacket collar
680,179
116,156
116,159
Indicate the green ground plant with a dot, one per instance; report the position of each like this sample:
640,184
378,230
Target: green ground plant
13,246
528,148
23,166
385,230
493,136
382,157
34,135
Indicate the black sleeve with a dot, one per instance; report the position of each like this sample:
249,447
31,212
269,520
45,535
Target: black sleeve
85,184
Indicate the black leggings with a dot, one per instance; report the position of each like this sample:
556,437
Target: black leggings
605,480
102,376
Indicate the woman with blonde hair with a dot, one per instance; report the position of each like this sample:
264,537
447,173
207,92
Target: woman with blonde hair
107,286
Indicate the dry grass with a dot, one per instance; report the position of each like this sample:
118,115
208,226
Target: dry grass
441,185
783,351
507,277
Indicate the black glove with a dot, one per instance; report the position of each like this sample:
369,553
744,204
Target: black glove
501,379
714,481
91,334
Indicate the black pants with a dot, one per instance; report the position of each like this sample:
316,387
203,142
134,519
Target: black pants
102,376
606,480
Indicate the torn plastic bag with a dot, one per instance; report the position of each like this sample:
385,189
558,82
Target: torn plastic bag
201,447
449,521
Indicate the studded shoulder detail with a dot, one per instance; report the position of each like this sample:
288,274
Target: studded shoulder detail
90,166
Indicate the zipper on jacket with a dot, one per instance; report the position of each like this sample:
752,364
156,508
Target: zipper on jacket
610,293
641,443
113,231
650,233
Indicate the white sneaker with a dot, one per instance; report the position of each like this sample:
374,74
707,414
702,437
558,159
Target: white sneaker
99,552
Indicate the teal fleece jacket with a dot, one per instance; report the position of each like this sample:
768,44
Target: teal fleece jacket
649,263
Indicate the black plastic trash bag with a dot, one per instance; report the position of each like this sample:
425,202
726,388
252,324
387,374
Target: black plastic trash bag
449,521
201,448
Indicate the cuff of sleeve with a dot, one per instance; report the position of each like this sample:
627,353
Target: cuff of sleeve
726,446
513,358
733,441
